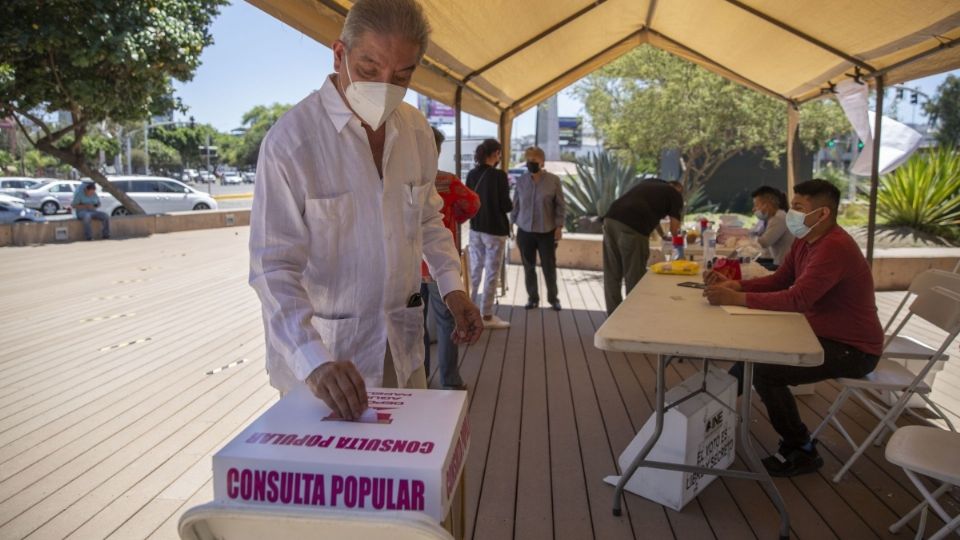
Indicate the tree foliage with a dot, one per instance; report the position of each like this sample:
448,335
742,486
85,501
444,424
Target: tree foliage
96,60
649,100
243,151
944,110
186,141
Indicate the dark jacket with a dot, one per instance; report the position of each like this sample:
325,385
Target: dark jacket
492,186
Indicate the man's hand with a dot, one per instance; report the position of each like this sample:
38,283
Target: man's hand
718,295
341,387
467,316
716,278
557,234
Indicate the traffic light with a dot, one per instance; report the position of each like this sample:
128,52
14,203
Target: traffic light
831,143
192,123
899,93
859,144
913,98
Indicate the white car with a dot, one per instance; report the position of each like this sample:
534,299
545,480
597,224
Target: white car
156,195
232,178
50,196
8,183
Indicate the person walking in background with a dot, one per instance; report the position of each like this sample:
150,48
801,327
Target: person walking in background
85,204
538,212
489,228
775,238
626,233
459,205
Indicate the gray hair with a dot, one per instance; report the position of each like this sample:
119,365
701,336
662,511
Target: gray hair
404,18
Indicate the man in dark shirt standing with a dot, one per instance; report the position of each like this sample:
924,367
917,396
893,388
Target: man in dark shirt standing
626,233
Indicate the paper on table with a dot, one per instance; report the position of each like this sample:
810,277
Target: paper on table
740,310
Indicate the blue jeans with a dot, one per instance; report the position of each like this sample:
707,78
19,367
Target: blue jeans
86,216
446,348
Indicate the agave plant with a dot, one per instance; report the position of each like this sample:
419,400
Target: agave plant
601,179
924,194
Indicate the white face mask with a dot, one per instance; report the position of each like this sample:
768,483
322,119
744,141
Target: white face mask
372,101
796,225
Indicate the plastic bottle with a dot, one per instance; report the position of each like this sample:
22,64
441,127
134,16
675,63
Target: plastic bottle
667,248
709,245
678,246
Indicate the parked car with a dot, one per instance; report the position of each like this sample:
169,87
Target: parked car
232,178
17,182
50,196
10,199
156,195
189,175
207,177
249,177
11,212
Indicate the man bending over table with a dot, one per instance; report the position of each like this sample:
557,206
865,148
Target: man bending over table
825,277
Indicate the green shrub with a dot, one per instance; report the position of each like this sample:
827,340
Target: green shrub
601,179
923,194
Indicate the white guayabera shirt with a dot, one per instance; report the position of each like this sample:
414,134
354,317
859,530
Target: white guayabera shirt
334,251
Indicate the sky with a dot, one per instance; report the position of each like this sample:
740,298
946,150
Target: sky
258,60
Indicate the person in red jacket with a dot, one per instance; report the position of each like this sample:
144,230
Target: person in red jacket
459,204
825,277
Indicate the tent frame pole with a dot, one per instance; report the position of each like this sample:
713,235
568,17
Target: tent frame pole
875,171
793,146
458,127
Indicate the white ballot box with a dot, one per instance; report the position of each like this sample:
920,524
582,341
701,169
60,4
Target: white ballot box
407,453
699,432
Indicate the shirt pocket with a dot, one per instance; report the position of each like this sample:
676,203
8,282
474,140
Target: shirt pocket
413,208
330,221
338,336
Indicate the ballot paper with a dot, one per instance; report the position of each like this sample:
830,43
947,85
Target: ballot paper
406,452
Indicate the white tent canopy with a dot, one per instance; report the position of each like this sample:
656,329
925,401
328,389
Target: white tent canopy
497,58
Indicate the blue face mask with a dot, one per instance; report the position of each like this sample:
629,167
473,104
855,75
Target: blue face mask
796,225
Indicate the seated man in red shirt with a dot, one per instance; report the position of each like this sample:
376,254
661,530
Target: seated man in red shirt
825,277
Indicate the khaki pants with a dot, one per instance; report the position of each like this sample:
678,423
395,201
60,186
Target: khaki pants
417,380
625,254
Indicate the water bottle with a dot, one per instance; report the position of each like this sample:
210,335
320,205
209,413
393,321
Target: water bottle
678,247
667,248
709,245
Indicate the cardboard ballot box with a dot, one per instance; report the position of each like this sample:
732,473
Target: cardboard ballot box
407,453
699,432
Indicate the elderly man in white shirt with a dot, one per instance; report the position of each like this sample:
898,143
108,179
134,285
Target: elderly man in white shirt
344,210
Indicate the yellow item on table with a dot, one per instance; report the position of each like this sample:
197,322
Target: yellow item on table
679,268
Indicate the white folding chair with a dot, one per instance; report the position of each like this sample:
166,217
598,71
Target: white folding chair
933,453
218,521
907,349
938,306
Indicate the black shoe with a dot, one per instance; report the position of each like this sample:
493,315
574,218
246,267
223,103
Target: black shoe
556,305
531,305
793,461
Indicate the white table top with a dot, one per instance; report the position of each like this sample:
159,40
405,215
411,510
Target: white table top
658,317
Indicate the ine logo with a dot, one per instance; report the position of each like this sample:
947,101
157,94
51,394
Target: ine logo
714,422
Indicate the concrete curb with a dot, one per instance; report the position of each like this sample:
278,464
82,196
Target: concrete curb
60,232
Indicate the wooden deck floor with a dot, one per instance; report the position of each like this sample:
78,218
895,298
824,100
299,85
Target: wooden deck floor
124,365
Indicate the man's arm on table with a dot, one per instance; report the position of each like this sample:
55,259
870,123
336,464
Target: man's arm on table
721,291
278,255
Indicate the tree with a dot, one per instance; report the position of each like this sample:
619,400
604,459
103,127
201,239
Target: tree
97,61
649,100
186,140
944,109
258,122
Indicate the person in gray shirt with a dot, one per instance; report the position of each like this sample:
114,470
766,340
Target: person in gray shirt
775,238
538,212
